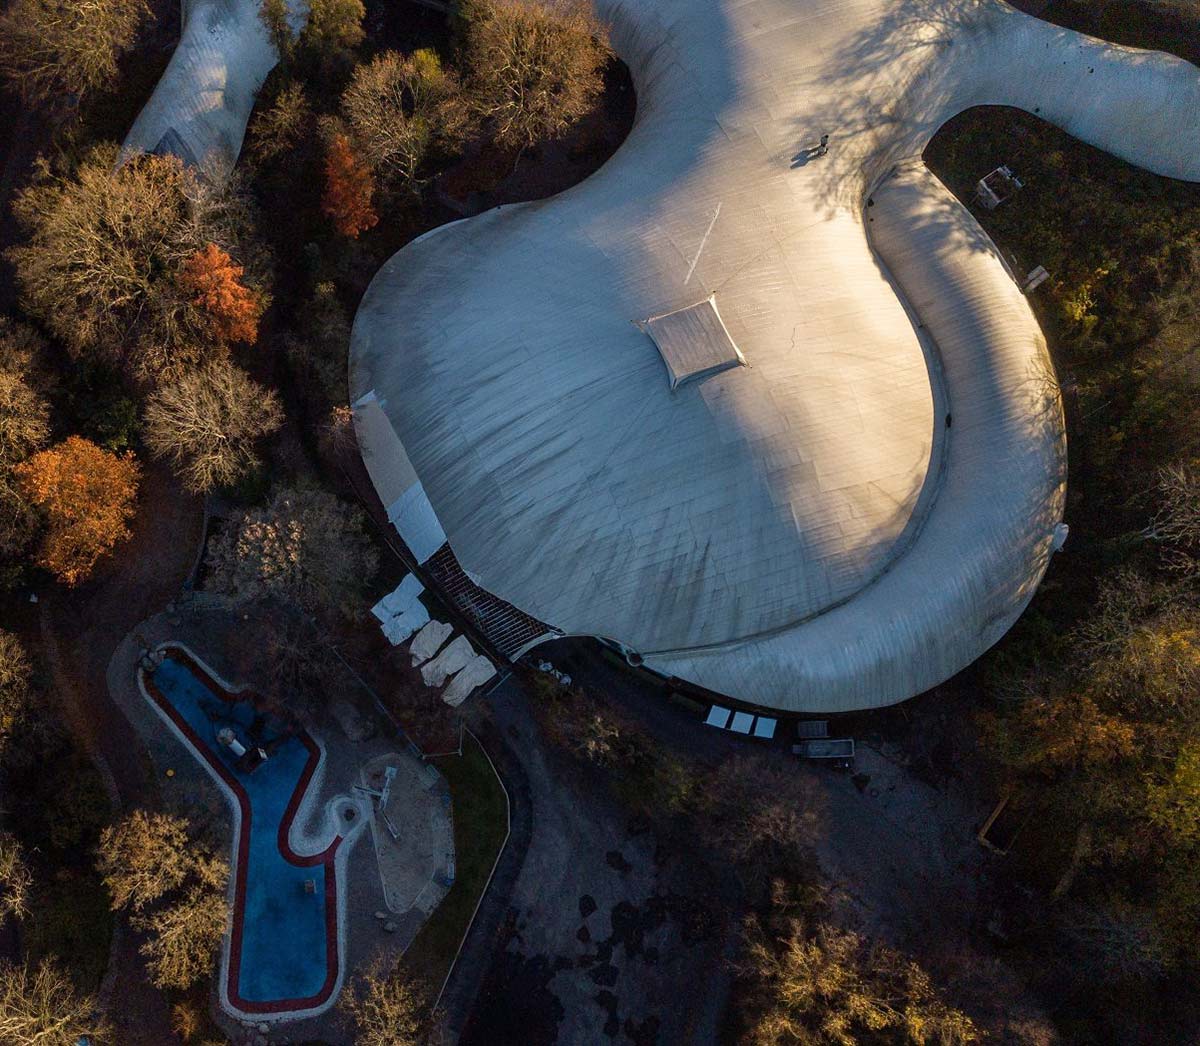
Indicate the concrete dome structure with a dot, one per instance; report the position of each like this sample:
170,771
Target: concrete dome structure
780,423
701,405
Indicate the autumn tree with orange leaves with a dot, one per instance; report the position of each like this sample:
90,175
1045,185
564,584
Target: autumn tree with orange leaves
106,250
349,189
214,283
87,495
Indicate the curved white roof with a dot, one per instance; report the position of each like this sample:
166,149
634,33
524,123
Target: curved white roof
200,107
811,534
788,519
803,531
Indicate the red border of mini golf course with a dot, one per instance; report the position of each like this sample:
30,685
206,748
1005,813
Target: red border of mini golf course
325,857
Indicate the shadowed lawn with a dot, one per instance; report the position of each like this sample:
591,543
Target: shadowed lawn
71,921
480,825
58,808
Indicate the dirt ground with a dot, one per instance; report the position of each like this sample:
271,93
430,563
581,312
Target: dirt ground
80,631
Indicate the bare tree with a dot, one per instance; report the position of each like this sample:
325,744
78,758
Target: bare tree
19,524
336,434
1156,670
1125,599
536,68
207,421
24,419
318,359
305,547
762,818
386,1009
274,16
333,28
1176,525
21,350
183,937
39,1006
15,689
16,880
302,669
63,50
153,866
398,108
185,1021
144,857
281,126
106,250
829,987
24,429
1139,646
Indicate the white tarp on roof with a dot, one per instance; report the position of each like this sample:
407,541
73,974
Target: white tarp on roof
804,532
399,628
416,522
473,674
426,642
693,342
399,599
395,479
449,661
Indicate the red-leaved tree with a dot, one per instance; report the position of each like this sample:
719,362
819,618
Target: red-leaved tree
214,282
349,189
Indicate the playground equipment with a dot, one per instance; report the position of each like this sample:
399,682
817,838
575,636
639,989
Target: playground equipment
382,795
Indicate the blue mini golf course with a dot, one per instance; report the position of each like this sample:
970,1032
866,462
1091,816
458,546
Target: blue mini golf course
283,943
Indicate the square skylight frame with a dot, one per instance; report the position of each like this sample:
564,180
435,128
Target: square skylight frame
693,342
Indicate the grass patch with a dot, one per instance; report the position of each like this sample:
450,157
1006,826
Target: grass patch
480,826
57,807
70,920
1122,247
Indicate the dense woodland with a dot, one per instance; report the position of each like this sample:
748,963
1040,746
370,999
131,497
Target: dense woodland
164,327
1092,710
159,316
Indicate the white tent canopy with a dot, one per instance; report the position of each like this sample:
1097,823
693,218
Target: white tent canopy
693,342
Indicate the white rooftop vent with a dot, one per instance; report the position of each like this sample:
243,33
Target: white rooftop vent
693,342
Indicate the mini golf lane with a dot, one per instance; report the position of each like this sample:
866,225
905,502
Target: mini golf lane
284,939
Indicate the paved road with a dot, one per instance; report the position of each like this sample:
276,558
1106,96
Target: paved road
900,855
600,924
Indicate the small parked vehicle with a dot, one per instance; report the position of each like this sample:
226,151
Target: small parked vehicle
825,748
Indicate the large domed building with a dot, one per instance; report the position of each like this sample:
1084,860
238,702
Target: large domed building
776,421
